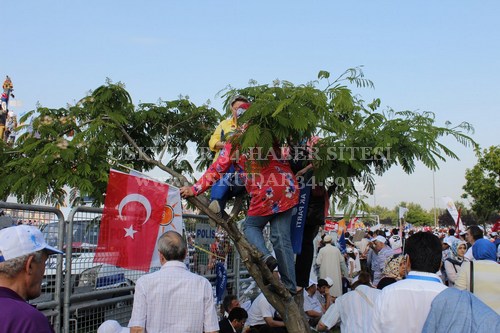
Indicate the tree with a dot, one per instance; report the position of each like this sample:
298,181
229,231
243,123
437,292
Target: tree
357,142
416,214
483,183
387,216
76,146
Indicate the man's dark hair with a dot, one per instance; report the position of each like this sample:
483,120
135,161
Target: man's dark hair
370,233
226,302
476,232
425,252
172,246
322,283
238,314
395,231
364,278
451,232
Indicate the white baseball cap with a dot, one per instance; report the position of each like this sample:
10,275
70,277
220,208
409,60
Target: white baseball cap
329,281
18,241
112,326
380,239
311,283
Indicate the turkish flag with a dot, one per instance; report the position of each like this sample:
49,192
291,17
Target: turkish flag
133,210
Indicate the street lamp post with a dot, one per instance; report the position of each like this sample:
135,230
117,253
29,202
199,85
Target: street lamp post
434,198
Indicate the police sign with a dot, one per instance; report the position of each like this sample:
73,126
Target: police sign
205,234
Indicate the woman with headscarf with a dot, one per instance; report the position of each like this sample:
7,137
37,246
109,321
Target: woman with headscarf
394,270
481,276
455,259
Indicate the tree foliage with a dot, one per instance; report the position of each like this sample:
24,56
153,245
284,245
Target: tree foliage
483,183
358,140
76,146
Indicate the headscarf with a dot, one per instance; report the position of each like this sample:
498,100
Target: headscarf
483,249
391,268
454,249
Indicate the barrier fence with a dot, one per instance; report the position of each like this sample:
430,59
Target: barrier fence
78,294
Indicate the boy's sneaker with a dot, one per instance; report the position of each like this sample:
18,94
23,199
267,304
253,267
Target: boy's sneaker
214,207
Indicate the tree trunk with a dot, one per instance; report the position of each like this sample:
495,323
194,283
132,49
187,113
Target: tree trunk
279,298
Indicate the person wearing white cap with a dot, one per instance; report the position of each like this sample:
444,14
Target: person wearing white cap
23,253
312,306
112,326
323,294
382,252
331,264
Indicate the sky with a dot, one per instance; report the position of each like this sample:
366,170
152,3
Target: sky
438,56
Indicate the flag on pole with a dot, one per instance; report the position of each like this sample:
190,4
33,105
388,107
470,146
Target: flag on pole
352,223
341,232
172,215
133,210
455,215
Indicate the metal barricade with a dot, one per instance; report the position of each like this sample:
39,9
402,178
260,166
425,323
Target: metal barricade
96,292
51,221
78,294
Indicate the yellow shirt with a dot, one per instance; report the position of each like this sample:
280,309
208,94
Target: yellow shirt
228,126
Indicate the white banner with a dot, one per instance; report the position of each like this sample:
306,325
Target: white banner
402,212
450,206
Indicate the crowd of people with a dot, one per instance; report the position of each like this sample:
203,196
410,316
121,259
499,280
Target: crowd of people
372,281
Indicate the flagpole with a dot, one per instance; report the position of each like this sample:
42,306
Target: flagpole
434,197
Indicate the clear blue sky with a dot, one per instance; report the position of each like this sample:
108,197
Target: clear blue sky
439,56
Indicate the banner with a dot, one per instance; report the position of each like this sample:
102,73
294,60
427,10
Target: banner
133,210
221,281
299,217
402,212
171,218
352,223
330,225
342,244
455,215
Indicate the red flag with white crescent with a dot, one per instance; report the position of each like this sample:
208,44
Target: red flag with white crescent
133,210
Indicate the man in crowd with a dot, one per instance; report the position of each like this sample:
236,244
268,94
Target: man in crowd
473,234
228,303
382,253
261,317
234,322
404,305
23,252
312,306
173,299
354,310
331,264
